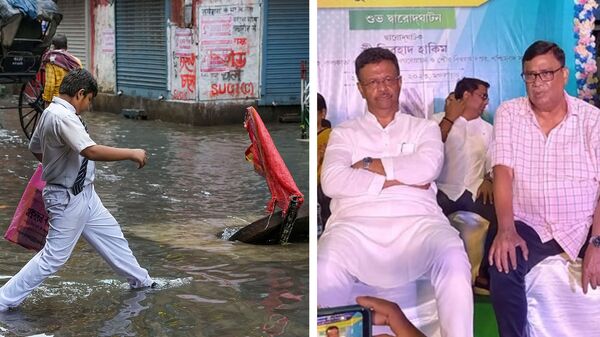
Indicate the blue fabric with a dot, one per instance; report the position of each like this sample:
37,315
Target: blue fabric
27,7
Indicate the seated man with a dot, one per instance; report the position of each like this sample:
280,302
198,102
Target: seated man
464,184
386,229
546,160
57,63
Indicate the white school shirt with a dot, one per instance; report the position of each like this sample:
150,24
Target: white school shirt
411,151
60,137
467,156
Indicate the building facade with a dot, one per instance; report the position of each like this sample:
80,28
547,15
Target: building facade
191,61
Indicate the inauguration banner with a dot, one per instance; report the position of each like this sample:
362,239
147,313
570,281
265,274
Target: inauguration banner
437,43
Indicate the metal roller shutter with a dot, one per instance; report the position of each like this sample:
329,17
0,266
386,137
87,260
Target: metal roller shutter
286,45
141,47
74,26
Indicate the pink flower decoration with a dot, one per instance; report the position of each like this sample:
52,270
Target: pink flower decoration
585,40
585,63
581,50
590,68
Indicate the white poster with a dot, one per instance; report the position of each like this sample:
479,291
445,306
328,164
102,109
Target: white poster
229,53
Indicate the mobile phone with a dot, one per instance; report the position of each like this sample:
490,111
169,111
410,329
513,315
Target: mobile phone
348,321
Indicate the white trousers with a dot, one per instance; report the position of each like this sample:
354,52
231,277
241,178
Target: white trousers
71,216
427,250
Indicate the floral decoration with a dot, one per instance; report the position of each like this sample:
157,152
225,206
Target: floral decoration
585,51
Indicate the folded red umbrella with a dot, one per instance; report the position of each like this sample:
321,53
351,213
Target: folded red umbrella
268,162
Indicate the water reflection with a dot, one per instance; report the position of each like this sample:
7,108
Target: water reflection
121,324
195,185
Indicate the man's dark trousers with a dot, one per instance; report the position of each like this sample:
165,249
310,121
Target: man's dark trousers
508,289
487,211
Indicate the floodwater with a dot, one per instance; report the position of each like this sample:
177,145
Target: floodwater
195,185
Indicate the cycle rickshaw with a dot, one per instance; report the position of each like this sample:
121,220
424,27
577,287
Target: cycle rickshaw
26,31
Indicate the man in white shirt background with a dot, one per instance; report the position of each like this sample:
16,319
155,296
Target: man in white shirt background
464,183
386,229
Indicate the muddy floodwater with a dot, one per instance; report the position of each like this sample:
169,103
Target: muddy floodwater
195,185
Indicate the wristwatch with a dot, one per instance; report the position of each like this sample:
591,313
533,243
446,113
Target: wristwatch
595,241
367,162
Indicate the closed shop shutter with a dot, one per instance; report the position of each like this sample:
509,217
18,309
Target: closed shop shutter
286,45
141,47
75,27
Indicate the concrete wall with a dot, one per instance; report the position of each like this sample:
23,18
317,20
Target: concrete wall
183,57
214,63
194,113
103,48
218,57
229,59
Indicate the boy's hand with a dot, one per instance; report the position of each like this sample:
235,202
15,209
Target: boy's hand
107,153
139,156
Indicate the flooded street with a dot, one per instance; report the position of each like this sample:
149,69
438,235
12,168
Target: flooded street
195,185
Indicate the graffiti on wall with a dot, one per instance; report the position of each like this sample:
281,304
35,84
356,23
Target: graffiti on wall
229,51
183,85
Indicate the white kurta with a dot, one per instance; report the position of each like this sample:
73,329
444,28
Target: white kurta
390,237
467,156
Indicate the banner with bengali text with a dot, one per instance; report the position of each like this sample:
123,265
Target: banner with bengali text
436,46
398,3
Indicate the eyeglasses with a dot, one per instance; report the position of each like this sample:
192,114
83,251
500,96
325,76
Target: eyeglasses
484,97
545,76
387,81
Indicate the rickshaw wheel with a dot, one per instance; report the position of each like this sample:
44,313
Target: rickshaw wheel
31,106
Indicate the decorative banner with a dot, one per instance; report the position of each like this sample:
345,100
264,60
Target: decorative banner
402,19
398,3
436,47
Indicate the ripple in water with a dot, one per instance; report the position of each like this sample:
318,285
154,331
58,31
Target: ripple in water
171,212
196,298
228,232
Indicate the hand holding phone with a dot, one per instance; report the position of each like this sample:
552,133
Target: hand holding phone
348,321
389,313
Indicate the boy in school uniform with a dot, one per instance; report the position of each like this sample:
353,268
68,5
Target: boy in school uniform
67,153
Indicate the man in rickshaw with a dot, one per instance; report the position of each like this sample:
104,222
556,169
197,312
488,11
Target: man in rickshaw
56,63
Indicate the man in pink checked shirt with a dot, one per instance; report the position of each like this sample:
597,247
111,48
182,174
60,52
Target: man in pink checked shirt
546,161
